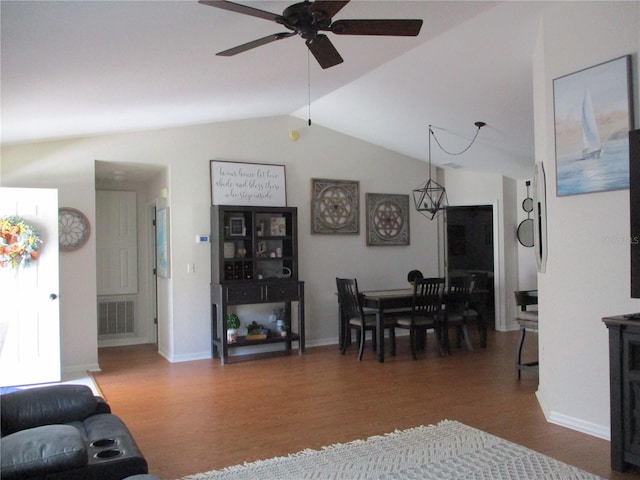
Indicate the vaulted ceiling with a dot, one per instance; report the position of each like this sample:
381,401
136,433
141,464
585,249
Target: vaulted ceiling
75,68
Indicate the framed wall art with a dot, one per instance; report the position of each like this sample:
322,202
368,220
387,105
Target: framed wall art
593,111
248,184
335,206
387,219
237,227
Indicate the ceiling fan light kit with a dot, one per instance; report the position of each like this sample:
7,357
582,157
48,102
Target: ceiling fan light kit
307,19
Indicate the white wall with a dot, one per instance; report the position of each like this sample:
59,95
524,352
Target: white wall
587,275
184,330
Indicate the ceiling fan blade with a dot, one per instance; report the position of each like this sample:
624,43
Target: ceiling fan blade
238,8
401,28
324,51
329,7
255,43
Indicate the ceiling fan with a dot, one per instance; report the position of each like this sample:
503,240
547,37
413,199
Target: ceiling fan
308,19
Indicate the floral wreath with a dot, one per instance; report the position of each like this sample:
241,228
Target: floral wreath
19,242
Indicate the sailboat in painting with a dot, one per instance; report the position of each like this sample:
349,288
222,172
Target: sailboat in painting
592,146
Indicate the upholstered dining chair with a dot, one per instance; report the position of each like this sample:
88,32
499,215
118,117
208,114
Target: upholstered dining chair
459,312
355,317
426,313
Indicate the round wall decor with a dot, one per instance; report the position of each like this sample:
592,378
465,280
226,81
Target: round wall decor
73,229
525,232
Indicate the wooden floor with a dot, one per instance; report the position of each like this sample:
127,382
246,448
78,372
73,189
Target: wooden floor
196,416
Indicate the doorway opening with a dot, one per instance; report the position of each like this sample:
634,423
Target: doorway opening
470,250
129,319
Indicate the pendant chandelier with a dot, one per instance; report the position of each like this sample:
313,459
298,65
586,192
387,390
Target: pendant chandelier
430,198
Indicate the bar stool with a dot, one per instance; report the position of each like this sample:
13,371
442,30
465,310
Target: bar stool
528,321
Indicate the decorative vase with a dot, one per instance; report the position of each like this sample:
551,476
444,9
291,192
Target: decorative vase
281,328
232,335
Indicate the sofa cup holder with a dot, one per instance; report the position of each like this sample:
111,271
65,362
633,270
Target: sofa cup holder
104,442
108,453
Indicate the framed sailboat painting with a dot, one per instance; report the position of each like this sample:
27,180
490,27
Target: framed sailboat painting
593,111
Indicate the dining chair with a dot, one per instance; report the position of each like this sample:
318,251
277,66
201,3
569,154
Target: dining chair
528,321
459,312
354,316
426,314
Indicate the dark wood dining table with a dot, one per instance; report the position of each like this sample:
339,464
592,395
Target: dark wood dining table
394,301
391,300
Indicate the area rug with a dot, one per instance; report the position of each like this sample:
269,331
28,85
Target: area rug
448,450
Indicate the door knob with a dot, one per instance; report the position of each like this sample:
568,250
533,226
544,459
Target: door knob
53,296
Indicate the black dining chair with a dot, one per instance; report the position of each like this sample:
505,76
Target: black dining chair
354,316
527,319
459,312
426,314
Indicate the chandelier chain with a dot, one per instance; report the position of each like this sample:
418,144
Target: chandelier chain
454,153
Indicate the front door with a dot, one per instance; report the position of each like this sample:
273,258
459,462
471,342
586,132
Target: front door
30,316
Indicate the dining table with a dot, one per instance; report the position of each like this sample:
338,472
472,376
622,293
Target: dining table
400,300
391,301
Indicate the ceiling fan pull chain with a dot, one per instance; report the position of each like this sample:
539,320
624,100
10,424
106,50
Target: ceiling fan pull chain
309,85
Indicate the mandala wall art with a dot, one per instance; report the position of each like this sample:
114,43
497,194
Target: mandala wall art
387,219
335,206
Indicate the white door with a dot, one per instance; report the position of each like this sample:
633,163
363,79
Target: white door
29,294
117,242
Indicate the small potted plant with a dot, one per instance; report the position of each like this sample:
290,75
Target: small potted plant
281,325
255,331
233,324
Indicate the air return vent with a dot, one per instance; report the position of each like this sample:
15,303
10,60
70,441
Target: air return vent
116,317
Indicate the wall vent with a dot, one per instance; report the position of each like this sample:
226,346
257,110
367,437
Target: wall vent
116,317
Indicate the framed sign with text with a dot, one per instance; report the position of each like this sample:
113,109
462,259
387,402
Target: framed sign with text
248,184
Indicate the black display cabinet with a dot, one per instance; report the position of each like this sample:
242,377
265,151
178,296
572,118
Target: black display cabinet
254,259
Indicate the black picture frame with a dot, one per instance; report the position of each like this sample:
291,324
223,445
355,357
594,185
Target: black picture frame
237,227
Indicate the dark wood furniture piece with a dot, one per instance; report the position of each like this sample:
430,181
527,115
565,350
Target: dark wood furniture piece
460,314
254,259
426,313
386,303
528,321
354,316
634,198
624,375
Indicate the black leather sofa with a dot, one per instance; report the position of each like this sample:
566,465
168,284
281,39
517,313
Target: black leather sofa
64,432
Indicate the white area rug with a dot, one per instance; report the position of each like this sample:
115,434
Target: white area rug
448,450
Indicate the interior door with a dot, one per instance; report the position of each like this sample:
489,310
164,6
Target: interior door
29,295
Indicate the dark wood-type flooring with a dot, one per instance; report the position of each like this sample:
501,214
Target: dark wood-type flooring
196,416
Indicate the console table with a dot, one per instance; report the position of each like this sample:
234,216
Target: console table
257,292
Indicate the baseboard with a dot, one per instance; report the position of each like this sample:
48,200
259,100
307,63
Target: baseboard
123,341
185,358
593,429
321,342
